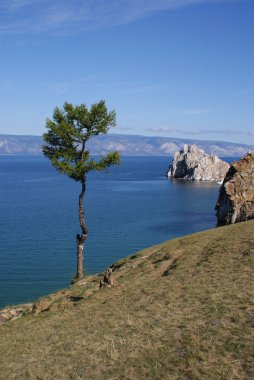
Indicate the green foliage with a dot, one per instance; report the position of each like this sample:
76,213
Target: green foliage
68,132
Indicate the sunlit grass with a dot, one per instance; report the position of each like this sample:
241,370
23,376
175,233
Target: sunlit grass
180,310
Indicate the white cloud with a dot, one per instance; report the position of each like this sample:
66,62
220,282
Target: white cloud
72,16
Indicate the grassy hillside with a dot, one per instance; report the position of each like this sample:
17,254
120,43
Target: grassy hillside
180,310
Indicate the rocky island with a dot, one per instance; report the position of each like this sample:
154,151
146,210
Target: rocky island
192,163
236,198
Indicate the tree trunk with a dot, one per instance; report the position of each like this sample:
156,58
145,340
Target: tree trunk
81,238
80,260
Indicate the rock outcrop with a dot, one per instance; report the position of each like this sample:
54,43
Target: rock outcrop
13,312
194,164
236,198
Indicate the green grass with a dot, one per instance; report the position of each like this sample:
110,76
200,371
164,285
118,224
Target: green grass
182,310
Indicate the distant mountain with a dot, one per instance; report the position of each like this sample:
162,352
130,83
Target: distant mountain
128,145
154,146
11,144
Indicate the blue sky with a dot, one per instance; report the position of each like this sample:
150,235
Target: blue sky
177,68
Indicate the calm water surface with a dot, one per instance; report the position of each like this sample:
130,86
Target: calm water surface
130,207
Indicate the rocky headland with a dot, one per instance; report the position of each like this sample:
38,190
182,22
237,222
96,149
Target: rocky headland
236,198
192,163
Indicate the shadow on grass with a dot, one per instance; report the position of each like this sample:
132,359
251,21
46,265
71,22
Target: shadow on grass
75,298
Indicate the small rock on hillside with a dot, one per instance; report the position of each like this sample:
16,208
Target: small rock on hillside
13,312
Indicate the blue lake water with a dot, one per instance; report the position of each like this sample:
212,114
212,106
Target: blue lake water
130,207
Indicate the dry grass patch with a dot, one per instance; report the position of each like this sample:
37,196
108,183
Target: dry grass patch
181,310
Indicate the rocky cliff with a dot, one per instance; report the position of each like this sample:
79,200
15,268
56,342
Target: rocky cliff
194,164
236,198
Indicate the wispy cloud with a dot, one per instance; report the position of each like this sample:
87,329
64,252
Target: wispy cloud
163,130
72,16
85,83
8,86
193,111
231,132
122,128
16,4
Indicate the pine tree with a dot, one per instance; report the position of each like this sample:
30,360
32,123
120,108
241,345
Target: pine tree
66,147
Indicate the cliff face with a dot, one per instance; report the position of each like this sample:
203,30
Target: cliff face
193,164
236,198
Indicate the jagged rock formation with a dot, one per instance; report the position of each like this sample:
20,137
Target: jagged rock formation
192,163
236,198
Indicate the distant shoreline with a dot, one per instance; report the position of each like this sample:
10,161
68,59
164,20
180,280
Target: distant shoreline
127,145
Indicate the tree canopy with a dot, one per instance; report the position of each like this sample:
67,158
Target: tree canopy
68,132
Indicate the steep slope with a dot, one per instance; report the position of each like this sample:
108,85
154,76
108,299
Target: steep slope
180,310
